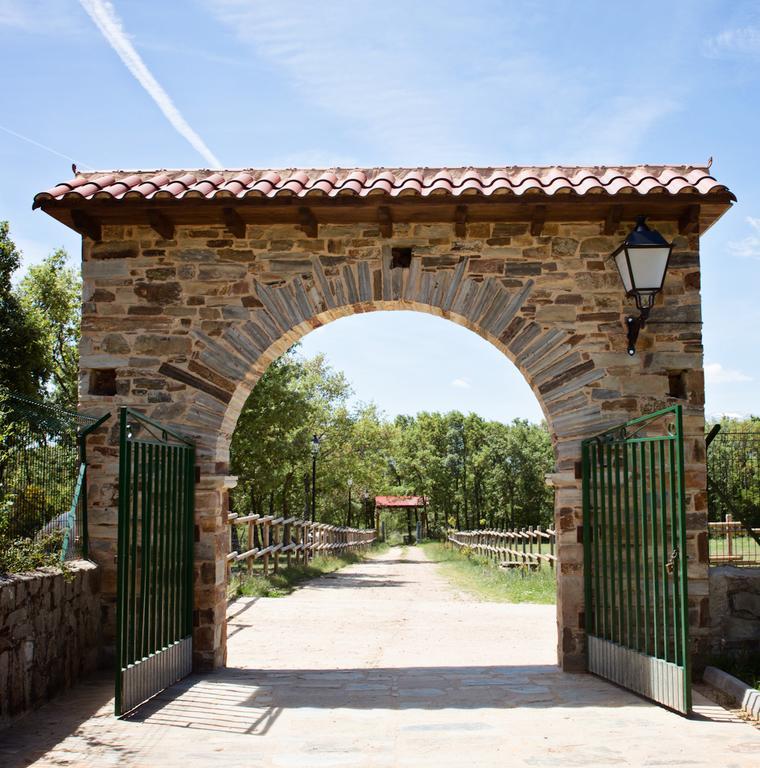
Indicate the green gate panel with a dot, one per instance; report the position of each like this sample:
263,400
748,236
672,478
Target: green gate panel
634,520
155,559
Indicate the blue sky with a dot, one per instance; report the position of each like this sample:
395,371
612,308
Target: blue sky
140,83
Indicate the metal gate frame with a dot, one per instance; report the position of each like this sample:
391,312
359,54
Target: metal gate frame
155,574
634,534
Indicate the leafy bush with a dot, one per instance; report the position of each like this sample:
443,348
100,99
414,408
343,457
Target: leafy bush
20,555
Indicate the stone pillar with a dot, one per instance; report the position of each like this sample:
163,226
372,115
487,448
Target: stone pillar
568,522
210,583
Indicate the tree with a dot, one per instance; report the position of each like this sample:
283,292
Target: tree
50,295
733,471
24,362
472,472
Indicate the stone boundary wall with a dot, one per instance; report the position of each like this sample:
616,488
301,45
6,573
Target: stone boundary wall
735,609
50,634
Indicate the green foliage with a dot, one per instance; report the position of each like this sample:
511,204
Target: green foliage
50,294
733,466
473,472
477,473
39,326
21,555
24,360
271,447
481,579
289,577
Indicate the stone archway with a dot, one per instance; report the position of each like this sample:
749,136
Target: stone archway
194,283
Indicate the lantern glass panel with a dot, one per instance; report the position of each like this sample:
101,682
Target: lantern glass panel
648,267
621,262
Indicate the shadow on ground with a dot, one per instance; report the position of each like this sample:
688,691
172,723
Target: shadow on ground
90,698
247,701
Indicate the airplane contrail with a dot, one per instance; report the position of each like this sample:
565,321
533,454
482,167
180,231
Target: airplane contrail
42,146
104,15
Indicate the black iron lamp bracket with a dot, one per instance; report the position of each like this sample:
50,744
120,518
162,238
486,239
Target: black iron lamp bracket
634,325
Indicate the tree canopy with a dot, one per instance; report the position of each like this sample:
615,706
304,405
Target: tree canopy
474,472
23,357
39,325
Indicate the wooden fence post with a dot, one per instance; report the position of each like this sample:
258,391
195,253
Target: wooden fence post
265,542
249,561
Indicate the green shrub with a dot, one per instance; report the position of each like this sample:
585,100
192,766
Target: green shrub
21,555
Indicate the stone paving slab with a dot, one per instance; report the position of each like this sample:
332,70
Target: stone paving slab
381,665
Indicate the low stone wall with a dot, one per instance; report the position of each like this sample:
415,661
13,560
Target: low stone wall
50,631
735,608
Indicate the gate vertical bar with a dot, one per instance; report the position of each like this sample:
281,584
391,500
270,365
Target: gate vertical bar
682,562
593,469
587,528
121,557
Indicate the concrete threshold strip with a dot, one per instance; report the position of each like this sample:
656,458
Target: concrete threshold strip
747,698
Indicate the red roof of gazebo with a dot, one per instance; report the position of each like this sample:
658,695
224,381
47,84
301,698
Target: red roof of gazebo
400,501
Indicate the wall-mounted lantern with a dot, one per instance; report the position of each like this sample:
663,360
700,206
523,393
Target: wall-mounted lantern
642,261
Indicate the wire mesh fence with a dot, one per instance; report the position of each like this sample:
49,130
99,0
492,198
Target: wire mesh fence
42,471
733,486
732,543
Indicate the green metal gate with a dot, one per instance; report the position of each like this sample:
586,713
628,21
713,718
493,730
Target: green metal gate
155,559
634,558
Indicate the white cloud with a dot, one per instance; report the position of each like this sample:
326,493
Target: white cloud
748,247
104,15
461,384
610,130
737,42
38,16
715,373
371,81
455,87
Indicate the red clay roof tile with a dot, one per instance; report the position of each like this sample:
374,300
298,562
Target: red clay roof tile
393,182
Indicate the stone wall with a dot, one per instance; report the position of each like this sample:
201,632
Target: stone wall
50,633
183,328
735,608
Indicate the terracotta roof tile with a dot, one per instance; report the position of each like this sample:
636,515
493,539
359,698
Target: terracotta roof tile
400,501
393,182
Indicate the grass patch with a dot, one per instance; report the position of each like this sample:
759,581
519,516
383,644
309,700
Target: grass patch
482,579
288,578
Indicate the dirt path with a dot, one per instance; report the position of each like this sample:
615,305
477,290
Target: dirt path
383,664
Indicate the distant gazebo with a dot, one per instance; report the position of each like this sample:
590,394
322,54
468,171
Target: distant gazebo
408,503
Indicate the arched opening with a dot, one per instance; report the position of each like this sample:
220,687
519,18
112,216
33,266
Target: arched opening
533,355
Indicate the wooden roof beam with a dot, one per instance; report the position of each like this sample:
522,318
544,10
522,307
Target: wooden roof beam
460,221
234,222
538,218
612,220
689,221
308,222
161,224
87,225
385,220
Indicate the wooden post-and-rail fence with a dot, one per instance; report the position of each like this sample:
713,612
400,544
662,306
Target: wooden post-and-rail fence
528,547
270,538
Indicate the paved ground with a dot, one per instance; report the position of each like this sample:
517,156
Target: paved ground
383,665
